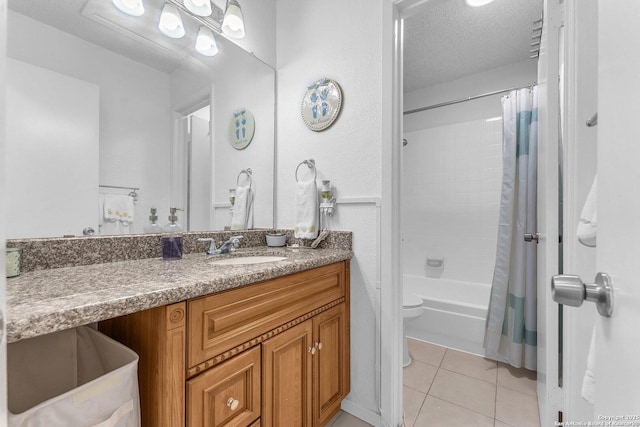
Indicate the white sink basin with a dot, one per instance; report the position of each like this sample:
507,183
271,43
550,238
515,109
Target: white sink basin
245,260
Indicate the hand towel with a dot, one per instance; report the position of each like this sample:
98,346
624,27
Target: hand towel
589,380
588,224
118,208
307,212
242,217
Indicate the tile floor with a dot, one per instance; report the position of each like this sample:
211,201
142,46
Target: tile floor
445,387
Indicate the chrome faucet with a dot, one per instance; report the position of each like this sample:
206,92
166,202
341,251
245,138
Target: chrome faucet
212,244
226,247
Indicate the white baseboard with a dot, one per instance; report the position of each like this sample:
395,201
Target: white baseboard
361,412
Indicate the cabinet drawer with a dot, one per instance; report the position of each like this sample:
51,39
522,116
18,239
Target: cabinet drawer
220,322
228,394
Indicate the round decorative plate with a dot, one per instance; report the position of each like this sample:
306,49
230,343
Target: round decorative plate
321,104
241,129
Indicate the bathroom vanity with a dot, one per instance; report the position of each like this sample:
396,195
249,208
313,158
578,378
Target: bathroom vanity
220,344
272,354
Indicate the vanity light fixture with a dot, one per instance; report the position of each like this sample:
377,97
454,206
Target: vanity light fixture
130,7
233,22
206,42
199,7
170,22
478,3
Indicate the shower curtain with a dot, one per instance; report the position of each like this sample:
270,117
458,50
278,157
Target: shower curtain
511,327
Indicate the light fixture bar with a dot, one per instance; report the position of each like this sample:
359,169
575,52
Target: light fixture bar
209,23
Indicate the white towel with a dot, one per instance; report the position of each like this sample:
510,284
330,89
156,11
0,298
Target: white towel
307,212
588,224
118,208
589,380
242,217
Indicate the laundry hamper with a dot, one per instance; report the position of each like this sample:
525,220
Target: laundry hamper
73,378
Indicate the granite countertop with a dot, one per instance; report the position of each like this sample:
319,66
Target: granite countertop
45,301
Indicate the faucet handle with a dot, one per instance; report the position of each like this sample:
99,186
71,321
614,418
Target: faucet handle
212,244
235,241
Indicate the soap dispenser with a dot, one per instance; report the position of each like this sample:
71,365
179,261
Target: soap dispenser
172,240
153,226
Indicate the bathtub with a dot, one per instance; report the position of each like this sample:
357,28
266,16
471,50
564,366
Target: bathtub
454,315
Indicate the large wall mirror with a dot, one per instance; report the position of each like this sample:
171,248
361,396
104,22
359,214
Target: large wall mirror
100,103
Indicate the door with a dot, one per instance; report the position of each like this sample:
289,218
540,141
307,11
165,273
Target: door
199,175
549,392
617,350
330,373
286,380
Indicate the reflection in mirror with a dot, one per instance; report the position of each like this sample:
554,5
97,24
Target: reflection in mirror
97,100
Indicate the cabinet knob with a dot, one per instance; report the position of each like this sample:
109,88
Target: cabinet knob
312,350
232,403
319,345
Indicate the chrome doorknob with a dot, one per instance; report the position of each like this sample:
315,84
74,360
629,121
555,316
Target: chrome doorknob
529,237
570,290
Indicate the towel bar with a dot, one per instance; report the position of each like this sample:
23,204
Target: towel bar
311,164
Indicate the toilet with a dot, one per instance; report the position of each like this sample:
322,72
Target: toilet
411,308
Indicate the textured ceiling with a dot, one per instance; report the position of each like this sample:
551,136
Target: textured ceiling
449,40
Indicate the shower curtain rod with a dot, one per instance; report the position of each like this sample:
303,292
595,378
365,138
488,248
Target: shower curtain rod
457,101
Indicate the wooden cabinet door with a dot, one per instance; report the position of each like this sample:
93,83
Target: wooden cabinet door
226,395
287,370
330,370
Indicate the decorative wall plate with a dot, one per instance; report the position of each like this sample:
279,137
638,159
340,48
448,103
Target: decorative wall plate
321,104
241,129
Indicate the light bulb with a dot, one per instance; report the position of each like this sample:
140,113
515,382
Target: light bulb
199,7
206,42
170,22
130,7
477,3
233,23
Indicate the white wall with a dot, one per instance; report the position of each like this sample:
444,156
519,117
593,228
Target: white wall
3,308
242,83
260,29
134,108
513,75
451,198
316,40
452,172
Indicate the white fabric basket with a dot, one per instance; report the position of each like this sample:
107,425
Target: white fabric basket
78,377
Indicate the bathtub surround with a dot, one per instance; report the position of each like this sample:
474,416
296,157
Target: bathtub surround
511,333
43,254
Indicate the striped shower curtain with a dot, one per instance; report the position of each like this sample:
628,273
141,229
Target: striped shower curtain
511,327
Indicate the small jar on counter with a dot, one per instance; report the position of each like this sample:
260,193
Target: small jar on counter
13,256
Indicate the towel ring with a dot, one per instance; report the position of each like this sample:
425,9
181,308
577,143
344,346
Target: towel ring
247,172
311,164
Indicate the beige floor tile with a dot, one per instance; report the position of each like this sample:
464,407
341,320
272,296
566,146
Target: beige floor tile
501,424
522,380
412,401
468,392
438,413
426,352
419,376
333,420
517,409
471,365
347,420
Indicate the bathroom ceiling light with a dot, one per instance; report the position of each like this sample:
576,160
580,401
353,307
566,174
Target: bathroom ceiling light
170,22
478,3
199,7
233,23
130,7
206,42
